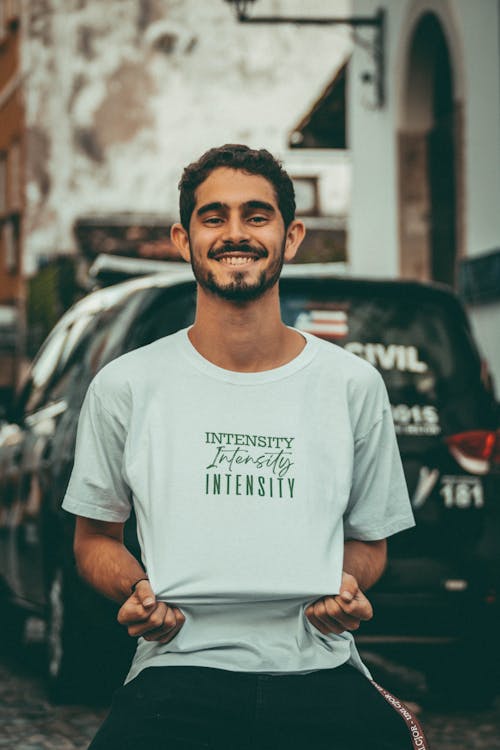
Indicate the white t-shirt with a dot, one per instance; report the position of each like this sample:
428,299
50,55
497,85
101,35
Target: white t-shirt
245,486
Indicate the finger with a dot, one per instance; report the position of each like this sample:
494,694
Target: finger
155,619
328,611
349,588
335,612
326,629
360,606
145,594
328,617
132,611
159,623
163,635
315,614
318,624
346,596
168,630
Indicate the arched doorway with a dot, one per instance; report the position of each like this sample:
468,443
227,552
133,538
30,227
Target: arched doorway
429,158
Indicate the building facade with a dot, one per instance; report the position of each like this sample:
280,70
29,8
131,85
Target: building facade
12,128
425,200
118,102
100,111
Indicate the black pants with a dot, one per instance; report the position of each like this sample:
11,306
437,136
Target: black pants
189,708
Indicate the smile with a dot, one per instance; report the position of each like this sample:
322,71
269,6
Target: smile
237,260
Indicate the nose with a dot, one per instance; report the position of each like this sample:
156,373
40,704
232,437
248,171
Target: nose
235,230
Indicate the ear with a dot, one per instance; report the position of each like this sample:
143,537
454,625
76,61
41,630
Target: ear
295,233
180,238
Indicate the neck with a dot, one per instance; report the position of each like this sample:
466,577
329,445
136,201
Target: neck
243,337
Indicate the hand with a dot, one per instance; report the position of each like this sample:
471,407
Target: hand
143,615
334,614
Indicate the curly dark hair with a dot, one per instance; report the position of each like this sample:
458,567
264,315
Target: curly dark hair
237,156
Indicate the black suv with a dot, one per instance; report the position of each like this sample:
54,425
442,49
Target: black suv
439,592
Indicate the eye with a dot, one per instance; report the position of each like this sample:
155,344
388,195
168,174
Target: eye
212,220
257,219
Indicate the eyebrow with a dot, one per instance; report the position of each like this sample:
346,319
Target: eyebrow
261,205
215,206
219,206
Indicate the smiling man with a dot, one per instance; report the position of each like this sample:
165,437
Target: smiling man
262,466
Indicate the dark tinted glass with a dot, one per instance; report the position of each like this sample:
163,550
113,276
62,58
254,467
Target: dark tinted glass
421,346
51,360
160,312
73,377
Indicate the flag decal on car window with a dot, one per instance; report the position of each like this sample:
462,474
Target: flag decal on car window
327,324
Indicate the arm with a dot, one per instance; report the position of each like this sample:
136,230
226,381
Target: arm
106,564
364,563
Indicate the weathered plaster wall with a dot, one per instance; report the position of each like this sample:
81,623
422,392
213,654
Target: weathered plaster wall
121,94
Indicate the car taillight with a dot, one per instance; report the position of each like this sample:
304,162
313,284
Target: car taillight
476,451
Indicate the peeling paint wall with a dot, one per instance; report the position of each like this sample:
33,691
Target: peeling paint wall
121,94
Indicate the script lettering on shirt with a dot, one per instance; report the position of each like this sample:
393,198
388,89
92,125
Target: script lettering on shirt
278,461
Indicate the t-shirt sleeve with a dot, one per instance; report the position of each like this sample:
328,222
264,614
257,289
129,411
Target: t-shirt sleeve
378,503
96,487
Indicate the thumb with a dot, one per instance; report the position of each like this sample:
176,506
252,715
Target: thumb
145,593
349,587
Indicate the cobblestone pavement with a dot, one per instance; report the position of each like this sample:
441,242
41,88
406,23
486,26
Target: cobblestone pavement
28,721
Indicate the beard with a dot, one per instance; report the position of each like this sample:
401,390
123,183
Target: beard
238,289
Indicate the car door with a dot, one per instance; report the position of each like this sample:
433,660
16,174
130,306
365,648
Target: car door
21,458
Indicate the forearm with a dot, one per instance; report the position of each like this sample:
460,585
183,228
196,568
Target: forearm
106,564
365,561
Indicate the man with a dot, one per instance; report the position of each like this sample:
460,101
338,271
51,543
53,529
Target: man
265,477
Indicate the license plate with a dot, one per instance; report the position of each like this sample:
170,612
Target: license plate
462,492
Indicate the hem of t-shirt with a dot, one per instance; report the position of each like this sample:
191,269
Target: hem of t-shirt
371,535
89,510
172,659
304,358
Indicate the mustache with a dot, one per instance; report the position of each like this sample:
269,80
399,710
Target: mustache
230,247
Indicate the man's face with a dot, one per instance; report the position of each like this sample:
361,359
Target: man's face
236,235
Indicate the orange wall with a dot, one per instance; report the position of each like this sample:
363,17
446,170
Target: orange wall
11,129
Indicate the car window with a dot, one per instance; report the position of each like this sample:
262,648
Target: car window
422,349
159,313
56,350
74,359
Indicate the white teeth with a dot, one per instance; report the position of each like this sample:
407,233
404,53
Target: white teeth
236,261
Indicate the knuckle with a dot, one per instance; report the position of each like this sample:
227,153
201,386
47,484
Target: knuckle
169,620
156,620
320,609
332,607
